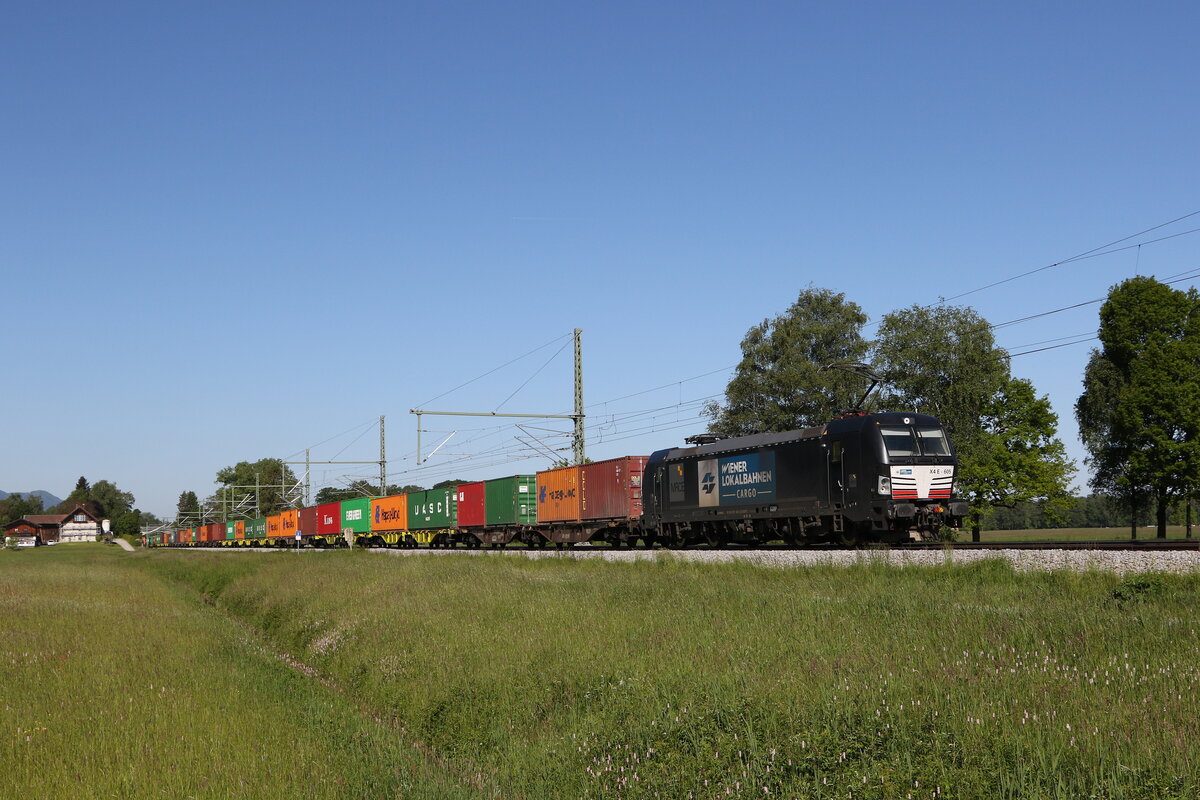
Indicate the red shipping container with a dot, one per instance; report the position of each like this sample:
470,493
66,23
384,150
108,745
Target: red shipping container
308,521
612,489
471,508
329,518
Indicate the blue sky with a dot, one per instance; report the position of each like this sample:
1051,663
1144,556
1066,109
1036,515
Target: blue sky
237,230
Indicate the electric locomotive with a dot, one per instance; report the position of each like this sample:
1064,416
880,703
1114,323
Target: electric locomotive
863,477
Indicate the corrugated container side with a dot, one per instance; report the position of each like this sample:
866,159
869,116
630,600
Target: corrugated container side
433,509
612,489
389,513
511,501
239,529
308,521
329,518
470,503
274,526
356,514
230,530
289,521
558,495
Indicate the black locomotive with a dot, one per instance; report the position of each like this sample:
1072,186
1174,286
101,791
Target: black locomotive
865,477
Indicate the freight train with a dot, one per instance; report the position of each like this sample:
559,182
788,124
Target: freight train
884,477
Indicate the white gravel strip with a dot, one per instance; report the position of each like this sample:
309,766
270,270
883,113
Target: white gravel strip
1118,561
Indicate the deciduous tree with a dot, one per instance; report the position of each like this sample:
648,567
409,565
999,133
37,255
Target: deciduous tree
1139,413
782,382
275,481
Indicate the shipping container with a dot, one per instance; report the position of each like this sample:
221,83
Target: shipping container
256,528
612,489
329,519
274,526
356,514
389,513
230,530
239,529
558,495
432,509
510,501
289,522
308,521
470,505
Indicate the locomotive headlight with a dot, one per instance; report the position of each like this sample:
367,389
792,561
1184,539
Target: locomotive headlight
885,485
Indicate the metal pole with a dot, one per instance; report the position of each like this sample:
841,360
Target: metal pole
579,456
382,460
418,413
307,479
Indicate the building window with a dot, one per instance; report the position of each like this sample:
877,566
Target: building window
80,518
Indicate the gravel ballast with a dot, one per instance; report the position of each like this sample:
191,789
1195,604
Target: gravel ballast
1118,561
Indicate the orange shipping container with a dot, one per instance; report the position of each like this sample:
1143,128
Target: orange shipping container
558,495
274,526
289,521
389,513
239,530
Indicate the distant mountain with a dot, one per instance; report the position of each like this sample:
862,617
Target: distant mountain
48,500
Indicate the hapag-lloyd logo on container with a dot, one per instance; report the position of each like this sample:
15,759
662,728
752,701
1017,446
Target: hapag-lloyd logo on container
386,514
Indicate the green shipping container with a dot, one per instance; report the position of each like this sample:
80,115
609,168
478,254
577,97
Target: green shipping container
435,508
511,501
257,528
356,514
230,530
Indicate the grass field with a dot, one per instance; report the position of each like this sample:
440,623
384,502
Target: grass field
117,684
561,678
1079,534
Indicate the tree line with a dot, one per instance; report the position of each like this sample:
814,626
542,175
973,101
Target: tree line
1139,412
103,499
251,489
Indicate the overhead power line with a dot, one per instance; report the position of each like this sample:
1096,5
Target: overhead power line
1093,253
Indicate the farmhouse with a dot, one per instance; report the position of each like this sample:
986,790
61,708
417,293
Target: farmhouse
78,525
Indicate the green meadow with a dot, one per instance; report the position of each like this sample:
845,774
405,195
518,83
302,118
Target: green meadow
188,674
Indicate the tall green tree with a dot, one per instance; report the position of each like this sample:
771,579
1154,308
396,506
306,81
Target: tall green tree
1139,413
16,506
81,493
1018,457
275,482
188,505
944,361
112,501
783,381
127,523
361,488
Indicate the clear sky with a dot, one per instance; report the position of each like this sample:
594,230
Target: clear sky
230,230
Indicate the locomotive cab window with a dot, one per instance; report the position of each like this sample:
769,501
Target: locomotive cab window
909,442
899,441
933,441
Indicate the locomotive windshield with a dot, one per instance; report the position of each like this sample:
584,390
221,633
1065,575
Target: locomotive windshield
908,442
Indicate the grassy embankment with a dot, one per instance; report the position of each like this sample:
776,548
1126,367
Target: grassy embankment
565,679
114,683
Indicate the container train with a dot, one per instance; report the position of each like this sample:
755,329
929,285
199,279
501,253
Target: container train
884,477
